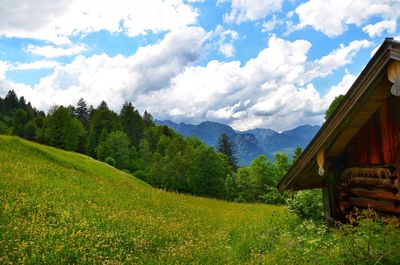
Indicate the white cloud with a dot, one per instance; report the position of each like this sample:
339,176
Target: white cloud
272,90
250,10
265,92
227,49
56,21
378,28
333,16
55,52
4,67
225,40
336,59
116,79
37,65
270,25
340,89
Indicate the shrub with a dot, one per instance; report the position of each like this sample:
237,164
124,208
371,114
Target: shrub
307,204
273,196
111,161
140,174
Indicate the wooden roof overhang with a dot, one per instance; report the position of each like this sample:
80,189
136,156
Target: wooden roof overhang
364,97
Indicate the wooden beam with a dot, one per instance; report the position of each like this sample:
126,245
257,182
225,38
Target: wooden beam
375,194
377,205
372,182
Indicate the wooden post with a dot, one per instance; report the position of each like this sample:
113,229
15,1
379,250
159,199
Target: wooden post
329,193
327,203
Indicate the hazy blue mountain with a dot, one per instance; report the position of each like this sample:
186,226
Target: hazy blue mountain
249,144
285,141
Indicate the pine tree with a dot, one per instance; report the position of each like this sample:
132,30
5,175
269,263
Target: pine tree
103,119
227,147
148,119
132,123
82,112
10,103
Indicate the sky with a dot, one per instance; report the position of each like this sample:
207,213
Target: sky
245,63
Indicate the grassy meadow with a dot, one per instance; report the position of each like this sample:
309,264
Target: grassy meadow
59,207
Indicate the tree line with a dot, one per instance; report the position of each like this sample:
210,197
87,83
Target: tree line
132,142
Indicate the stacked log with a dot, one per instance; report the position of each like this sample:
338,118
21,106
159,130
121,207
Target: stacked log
369,187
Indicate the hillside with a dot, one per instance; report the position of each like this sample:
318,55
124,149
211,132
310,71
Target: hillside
252,143
63,207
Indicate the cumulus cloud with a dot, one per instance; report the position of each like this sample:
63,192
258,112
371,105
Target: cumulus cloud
119,78
225,40
250,10
57,21
378,28
336,59
49,51
332,17
273,89
341,88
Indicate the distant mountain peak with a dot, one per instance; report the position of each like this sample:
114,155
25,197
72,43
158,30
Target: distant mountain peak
251,143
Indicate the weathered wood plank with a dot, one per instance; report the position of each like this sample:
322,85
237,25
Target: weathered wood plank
375,194
377,205
371,182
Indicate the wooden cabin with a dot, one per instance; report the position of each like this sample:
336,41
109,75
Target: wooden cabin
355,157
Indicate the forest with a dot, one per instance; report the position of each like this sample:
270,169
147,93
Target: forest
131,141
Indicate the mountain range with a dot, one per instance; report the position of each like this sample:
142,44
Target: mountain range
249,144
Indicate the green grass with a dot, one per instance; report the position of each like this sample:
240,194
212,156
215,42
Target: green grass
59,207
62,207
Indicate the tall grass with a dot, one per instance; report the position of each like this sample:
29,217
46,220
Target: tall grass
62,207
59,207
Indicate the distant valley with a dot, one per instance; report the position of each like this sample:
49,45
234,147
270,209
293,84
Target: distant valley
249,144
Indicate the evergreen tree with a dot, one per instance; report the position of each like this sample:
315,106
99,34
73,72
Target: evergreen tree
207,176
20,120
22,103
30,130
132,123
148,119
82,112
91,112
10,103
103,120
227,147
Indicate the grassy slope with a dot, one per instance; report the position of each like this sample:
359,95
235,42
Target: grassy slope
58,206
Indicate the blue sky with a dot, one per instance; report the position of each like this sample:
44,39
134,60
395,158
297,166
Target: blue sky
246,63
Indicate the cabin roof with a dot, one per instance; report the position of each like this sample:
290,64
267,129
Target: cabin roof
367,93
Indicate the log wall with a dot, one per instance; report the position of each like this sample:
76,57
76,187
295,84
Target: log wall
375,188
378,141
372,162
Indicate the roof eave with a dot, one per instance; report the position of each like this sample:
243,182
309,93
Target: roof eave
359,87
